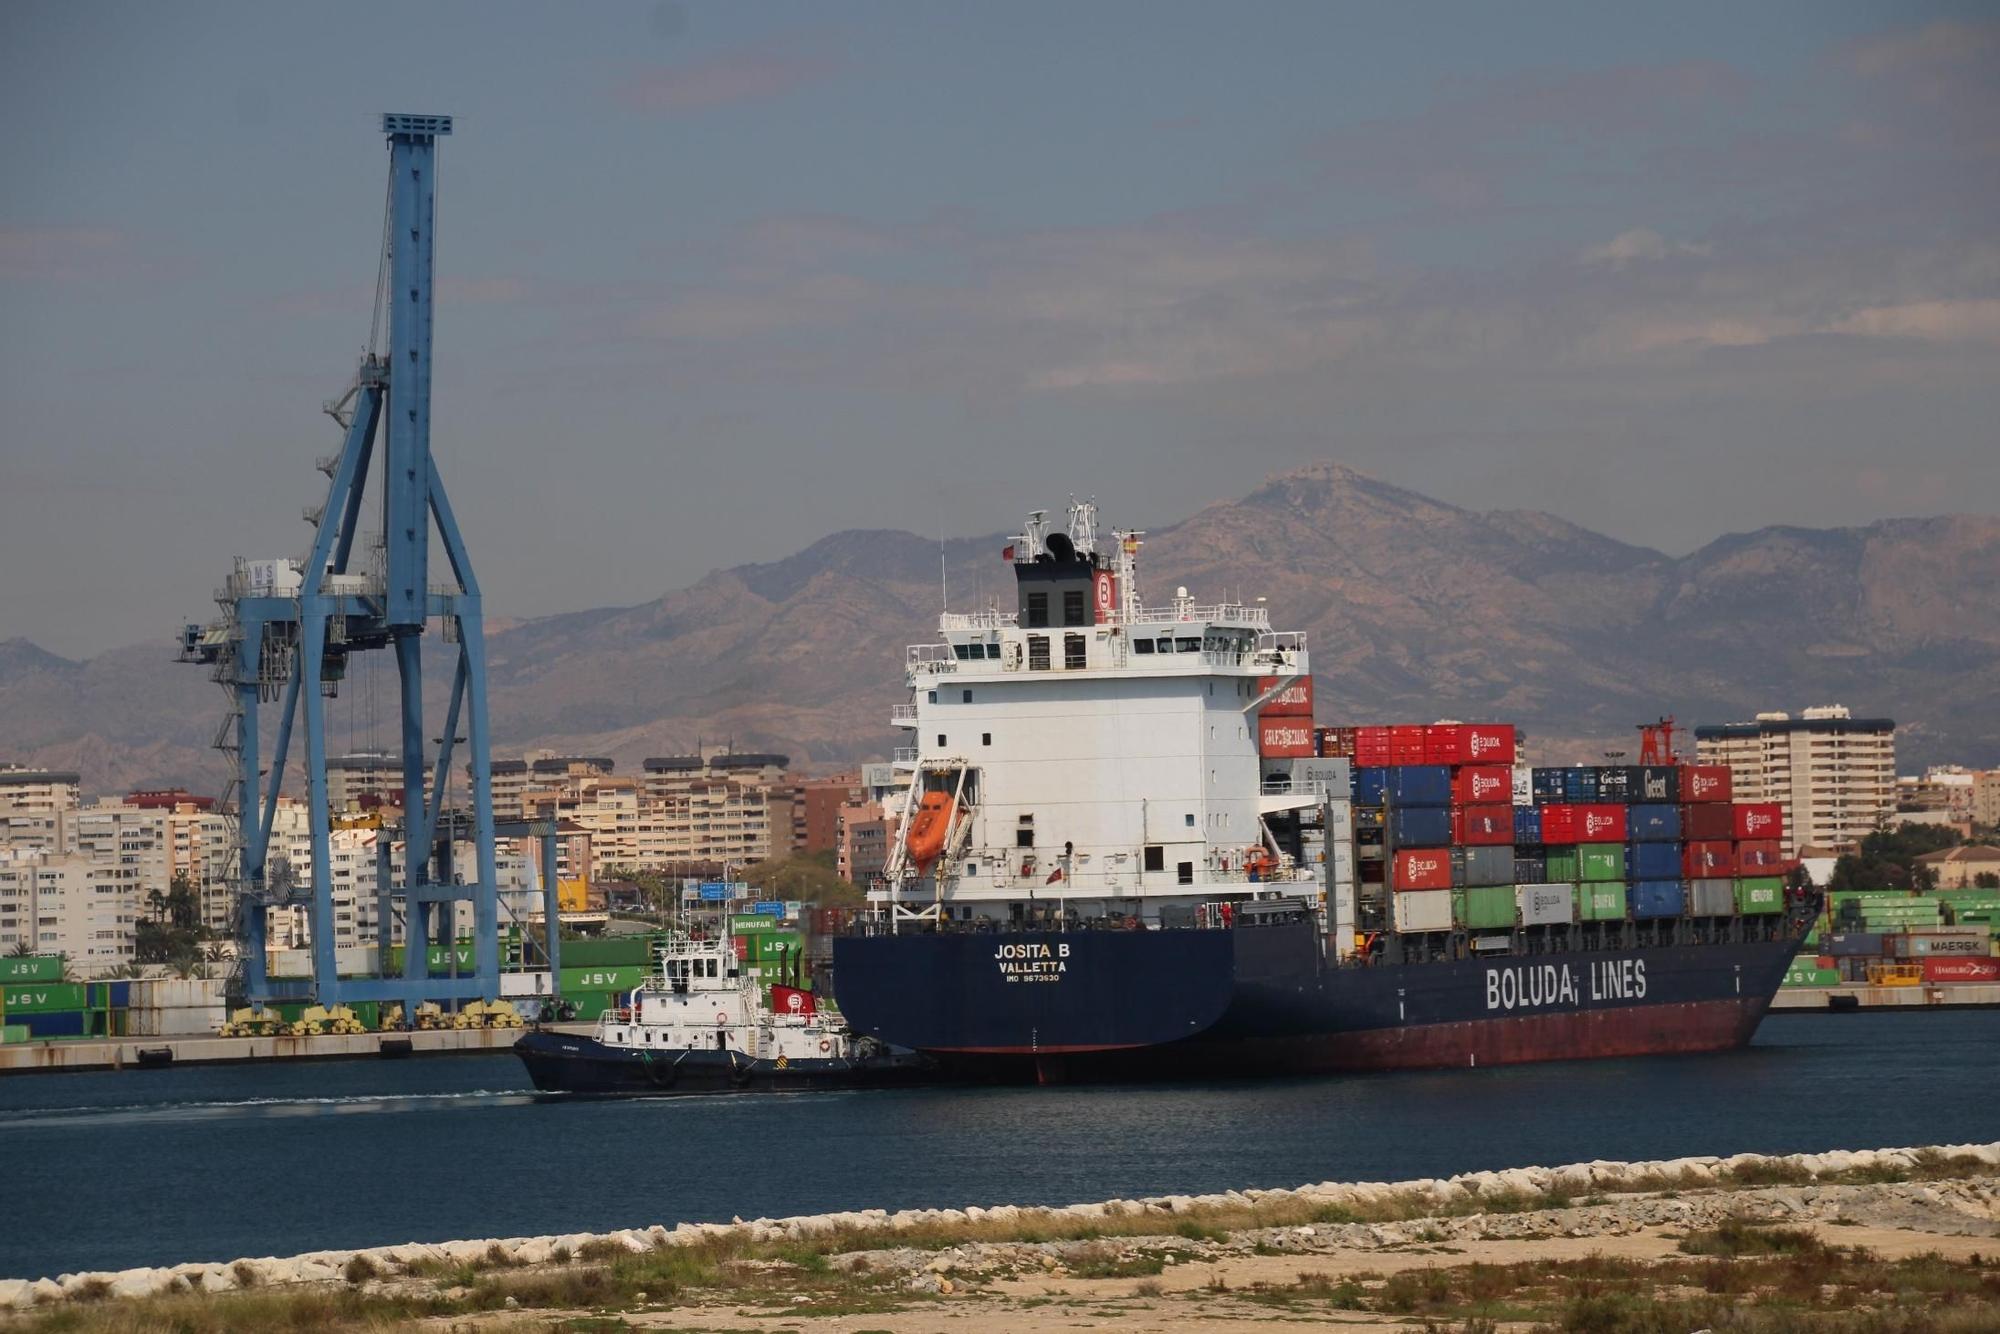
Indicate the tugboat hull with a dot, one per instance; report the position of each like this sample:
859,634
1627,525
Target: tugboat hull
570,1063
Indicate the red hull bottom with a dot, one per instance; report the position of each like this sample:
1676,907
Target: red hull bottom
1650,1030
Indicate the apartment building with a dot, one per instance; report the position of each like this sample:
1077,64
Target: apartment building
1986,798
719,806
863,847
35,805
1832,773
64,903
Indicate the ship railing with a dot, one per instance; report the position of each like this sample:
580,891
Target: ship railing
904,755
1220,613
1283,642
1284,785
990,619
933,658
902,713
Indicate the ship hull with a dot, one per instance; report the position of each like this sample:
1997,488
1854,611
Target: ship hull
567,1063
1284,1010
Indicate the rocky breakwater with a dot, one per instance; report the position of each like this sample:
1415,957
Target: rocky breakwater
1961,1182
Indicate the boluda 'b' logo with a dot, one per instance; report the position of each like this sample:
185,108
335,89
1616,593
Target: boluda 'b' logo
1755,820
1423,865
1593,822
1482,784
1480,742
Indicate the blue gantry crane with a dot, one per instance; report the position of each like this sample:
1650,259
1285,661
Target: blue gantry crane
288,629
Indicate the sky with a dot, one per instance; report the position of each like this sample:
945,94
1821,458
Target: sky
717,280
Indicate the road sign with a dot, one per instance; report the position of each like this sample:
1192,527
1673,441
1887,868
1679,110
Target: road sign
769,907
715,891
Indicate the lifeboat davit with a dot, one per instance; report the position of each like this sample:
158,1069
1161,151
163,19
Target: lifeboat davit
928,827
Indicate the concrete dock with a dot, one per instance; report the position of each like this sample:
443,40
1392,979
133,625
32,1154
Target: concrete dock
1957,996
208,1049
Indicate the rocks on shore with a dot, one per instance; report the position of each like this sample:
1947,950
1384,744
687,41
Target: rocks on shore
1458,1193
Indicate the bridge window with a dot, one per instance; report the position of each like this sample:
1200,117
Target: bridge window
1038,653
1073,607
1184,872
1142,646
966,696
1038,609
1156,857
985,738
941,741
1166,646
1188,645
962,651
1073,658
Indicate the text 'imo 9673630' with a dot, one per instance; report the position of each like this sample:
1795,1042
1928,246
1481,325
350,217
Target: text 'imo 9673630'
1127,850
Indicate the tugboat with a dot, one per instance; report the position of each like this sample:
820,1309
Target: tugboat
700,1025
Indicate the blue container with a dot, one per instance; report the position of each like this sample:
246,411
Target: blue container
1652,861
1653,824
1527,829
1580,786
1369,784
1420,826
1531,870
55,1024
1419,785
1653,899
1547,785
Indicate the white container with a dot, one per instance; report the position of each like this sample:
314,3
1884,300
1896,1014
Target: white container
1524,785
1545,905
1423,909
173,1021
1711,898
524,984
1952,943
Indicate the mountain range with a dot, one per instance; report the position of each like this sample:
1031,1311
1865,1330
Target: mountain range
1417,610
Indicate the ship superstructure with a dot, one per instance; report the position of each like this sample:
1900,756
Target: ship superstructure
1084,757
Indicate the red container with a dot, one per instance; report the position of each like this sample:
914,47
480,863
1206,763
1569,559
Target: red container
1759,820
1489,743
1759,857
1406,744
1444,743
1704,783
1371,746
1422,868
1294,701
1947,969
1482,826
1708,860
1712,821
1285,738
1482,785
1562,824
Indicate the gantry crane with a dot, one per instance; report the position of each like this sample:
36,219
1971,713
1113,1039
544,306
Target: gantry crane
288,629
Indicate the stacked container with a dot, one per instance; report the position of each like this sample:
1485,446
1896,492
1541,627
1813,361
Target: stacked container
1433,807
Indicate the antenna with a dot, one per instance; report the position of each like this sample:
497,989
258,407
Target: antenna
944,581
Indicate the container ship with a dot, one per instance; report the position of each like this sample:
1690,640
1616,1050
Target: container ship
1127,851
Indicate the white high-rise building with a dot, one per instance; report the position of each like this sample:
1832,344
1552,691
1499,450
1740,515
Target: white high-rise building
1834,774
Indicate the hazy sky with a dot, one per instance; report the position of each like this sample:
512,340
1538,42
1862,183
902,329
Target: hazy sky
720,279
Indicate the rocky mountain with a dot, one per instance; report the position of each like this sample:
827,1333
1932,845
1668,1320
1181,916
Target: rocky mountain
1417,610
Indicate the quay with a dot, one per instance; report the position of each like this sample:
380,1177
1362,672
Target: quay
207,1049
1957,996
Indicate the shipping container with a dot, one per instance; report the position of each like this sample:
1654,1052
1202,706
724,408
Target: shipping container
1483,826
31,968
1546,904
1482,866
1371,746
1489,743
1406,744
1593,823
1423,910
1284,738
1418,785
1444,743
1657,783
758,924
1422,868
610,951
1760,894
1599,861
1484,907
53,1023
591,1005
1657,898
1651,822
1528,826
1702,784
1564,863
1854,944
1483,785
18,998
1810,975
1601,901
1953,944
1949,970
1652,861
1703,861
1614,784
1711,897
1709,824
1758,820
1547,786
1530,870
1295,700
1759,857
1524,787
1369,783
14,1033
1336,743
621,978
1420,827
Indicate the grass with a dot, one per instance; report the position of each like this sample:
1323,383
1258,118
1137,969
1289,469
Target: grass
1738,1236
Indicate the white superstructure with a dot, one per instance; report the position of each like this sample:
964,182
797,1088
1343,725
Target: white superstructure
1088,754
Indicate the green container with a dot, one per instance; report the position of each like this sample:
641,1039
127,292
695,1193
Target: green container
1600,862
31,968
1483,907
757,924
1811,975
13,1033
42,997
1564,865
602,979
1602,901
368,1013
590,1005
1764,894
776,945
609,952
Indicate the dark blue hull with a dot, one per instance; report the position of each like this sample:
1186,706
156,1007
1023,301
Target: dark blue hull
1263,1000
567,1063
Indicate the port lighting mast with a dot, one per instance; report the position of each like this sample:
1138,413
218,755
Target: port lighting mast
288,630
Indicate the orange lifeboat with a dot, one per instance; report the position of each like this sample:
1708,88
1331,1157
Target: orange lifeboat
925,839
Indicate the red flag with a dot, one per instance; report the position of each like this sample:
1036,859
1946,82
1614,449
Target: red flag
1054,875
1007,552
791,1000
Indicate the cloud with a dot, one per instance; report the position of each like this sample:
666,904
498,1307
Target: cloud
62,254
1930,321
747,74
1640,243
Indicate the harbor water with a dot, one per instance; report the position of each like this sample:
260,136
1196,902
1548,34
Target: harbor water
109,1170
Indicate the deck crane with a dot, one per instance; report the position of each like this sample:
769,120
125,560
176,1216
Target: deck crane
288,629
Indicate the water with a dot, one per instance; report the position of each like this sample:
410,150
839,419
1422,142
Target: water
109,1170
